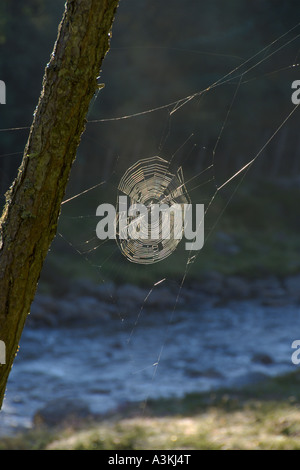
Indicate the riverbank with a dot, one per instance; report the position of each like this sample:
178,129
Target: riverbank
262,416
85,302
104,362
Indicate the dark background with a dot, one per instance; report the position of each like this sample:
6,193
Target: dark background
162,52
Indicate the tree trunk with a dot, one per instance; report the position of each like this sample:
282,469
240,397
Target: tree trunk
29,220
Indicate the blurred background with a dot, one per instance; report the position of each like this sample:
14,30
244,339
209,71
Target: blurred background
206,86
160,55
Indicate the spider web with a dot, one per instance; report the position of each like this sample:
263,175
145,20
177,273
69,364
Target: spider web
205,186
189,133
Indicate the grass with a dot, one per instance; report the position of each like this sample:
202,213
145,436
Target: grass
262,222
264,416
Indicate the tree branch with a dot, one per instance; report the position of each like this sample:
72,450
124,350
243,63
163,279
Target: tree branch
29,220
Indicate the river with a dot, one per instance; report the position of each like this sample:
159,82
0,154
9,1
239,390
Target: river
153,355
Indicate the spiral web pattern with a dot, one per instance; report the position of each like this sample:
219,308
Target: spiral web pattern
149,182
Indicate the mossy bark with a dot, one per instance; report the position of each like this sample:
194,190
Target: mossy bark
29,220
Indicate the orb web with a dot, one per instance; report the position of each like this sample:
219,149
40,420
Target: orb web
150,182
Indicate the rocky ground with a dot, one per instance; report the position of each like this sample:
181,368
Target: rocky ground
84,301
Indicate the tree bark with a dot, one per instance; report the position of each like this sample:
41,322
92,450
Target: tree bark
29,220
